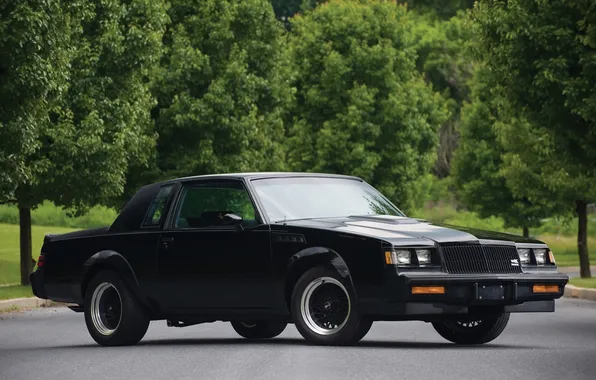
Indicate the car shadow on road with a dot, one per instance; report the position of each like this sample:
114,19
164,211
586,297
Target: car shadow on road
364,344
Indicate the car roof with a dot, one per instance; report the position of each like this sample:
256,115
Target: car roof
260,175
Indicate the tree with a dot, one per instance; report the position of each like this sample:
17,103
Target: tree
447,63
361,106
444,9
541,54
288,8
34,45
101,124
222,89
35,50
478,162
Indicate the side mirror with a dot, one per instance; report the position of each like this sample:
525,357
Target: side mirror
233,219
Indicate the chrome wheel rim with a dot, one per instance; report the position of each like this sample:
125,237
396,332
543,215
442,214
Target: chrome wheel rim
325,306
106,309
464,325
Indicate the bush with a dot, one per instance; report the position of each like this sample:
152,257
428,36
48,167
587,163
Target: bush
48,214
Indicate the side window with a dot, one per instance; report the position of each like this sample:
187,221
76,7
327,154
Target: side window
204,205
157,208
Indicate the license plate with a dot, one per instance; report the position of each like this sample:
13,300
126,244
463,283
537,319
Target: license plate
491,292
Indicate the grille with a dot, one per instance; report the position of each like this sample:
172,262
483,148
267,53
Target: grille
481,259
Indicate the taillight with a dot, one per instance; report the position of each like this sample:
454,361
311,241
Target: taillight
41,261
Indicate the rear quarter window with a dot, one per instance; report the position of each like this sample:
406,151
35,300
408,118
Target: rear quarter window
156,210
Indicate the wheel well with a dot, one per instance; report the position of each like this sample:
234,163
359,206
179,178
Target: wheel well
95,269
299,268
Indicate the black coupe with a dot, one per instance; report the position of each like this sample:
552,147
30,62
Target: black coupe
328,253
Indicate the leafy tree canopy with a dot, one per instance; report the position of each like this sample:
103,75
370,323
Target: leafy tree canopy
541,54
445,59
441,8
35,49
222,89
361,107
478,163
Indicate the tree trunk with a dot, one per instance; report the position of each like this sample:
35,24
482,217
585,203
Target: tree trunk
25,234
526,232
582,238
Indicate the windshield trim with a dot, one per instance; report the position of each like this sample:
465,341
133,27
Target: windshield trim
330,176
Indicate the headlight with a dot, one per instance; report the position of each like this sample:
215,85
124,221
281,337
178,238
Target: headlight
398,257
423,256
402,257
524,255
540,255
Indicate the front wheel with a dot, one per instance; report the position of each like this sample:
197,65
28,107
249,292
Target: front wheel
325,311
259,330
473,330
113,315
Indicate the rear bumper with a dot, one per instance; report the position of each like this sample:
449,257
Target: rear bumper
37,285
473,293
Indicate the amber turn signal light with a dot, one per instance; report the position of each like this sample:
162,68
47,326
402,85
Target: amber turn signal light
545,289
428,290
388,260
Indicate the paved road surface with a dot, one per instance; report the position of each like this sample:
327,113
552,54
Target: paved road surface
54,344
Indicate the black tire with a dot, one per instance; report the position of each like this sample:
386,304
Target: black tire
101,310
259,329
473,330
345,325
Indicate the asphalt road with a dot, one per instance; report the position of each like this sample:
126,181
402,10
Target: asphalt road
54,344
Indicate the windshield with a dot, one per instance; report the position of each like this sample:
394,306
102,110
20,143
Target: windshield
312,197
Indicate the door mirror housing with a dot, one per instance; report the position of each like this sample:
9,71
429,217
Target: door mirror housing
232,219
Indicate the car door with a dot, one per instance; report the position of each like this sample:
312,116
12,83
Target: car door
205,263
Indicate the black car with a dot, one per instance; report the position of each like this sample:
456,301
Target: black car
328,253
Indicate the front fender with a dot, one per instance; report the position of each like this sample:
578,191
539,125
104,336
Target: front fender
305,259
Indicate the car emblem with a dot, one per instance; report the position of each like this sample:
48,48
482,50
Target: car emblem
515,262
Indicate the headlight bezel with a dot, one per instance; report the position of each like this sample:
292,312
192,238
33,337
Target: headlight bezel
419,257
537,256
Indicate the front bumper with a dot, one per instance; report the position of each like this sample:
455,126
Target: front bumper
465,293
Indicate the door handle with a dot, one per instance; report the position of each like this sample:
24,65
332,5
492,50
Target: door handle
167,239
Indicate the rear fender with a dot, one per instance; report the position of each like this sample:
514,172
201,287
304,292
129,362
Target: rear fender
111,260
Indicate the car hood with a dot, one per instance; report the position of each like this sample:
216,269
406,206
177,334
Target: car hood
407,230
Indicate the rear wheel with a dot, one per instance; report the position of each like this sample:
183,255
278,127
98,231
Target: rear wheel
324,309
473,330
259,329
113,315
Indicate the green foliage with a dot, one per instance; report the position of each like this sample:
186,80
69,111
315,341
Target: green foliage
478,163
34,51
48,214
542,58
222,89
445,59
288,8
103,124
361,107
441,8
541,54
100,124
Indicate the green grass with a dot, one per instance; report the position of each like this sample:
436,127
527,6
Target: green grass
9,249
47,214
584,282
15,291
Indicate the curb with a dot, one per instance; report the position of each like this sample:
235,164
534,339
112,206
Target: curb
581,293
27,303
